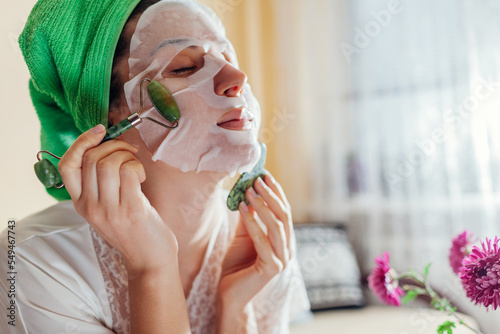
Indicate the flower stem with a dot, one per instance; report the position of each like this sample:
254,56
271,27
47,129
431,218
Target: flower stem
436,298
453,313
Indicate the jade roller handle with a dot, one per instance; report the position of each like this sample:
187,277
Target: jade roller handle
119,128
47,172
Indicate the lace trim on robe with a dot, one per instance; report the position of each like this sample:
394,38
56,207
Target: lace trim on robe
202,299
272,305
201,303
115,278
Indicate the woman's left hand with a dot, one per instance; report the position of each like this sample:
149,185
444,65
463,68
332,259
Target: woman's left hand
255,257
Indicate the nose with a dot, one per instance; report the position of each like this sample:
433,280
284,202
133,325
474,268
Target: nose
230,81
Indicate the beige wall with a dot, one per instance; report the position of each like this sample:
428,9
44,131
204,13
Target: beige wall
20,192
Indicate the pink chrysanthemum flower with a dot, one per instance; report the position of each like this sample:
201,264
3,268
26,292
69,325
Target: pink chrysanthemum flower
461,246
382,282
480,274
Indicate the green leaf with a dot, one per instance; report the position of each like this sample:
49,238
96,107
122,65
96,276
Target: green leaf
410,296
446,327
426,271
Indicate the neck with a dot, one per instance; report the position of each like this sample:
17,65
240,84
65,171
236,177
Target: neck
189,203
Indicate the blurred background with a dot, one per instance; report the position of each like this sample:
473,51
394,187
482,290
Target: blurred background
382,115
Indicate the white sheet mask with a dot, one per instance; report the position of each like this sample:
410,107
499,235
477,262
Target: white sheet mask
198,144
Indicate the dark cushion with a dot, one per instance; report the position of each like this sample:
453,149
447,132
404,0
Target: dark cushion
329,267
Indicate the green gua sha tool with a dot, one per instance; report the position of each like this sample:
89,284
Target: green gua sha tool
162,100
246,180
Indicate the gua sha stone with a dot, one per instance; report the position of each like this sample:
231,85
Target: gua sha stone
246,180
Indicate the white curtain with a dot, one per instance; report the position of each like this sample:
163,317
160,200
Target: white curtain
397,127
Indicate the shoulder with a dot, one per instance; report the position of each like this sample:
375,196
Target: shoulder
57,276
51,240
56,235
54,220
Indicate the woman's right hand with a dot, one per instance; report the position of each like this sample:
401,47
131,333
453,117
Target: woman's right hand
104,182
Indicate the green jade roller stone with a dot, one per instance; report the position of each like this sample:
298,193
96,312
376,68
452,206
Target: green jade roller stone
246,180
47,173
163,101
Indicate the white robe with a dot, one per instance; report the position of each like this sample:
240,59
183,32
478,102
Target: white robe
69,280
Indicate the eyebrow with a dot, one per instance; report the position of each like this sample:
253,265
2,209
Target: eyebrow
168,42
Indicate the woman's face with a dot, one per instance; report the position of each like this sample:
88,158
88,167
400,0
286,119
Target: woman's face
184,49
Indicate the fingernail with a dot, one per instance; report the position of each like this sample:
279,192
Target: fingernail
252,192
134,145
98,129
243,206
260,182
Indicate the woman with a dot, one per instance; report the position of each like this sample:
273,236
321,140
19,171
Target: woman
146,244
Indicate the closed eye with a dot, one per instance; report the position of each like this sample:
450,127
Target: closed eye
184,70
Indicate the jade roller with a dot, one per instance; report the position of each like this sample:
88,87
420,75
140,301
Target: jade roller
163,102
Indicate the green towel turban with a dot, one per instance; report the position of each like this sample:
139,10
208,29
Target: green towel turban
69,46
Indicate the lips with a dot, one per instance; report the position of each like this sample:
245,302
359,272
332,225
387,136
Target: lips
238,119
